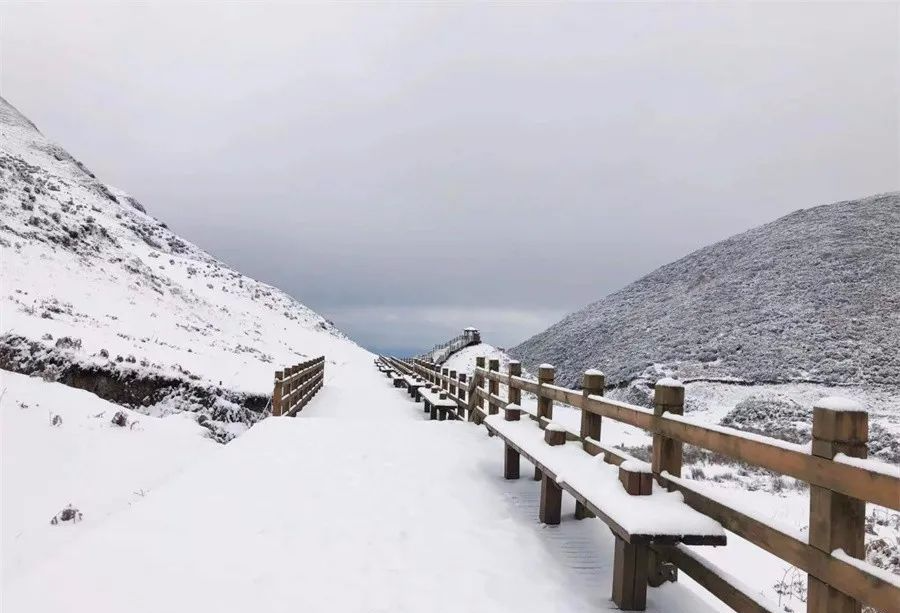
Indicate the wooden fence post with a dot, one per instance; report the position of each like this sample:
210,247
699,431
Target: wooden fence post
493,386
592,384
668,397
514,394
276,394
551,492
463,384
510,455
452,389
630,560
479,384
446,373
836,521
291,386
546,374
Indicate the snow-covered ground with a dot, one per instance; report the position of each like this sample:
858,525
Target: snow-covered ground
331,511
84,460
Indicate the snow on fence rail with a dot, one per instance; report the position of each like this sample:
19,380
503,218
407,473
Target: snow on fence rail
841,480
296,385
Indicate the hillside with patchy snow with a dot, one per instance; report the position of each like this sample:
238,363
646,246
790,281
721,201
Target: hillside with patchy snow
811,297
100,295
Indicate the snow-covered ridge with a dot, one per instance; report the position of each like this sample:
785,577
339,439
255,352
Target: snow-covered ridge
90,279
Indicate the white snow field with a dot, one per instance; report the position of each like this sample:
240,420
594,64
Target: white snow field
360,504
87,461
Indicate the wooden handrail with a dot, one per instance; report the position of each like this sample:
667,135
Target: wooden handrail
847,480
785,458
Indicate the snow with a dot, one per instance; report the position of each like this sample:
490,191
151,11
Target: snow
329,512
869,464
661,513
552,427
594,372
759,599
100,468
463,361
636,466
838,403
669,382
731,498
884,575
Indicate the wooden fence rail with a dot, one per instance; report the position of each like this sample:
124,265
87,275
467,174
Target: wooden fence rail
296,385
841,480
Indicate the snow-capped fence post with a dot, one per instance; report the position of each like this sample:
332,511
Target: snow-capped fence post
592,384
479,385
510,455
461,394
551,493
836,521
276,394
452,389
668,397
631,560
546,374
442,410
493,385
514,394
445,372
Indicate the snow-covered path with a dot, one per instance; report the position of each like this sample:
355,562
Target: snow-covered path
359,505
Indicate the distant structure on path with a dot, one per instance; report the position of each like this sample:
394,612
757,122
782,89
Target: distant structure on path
440,352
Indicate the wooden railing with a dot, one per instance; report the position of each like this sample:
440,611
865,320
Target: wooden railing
296,385
841,480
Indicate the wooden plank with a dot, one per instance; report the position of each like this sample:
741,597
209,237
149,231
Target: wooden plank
716,583
847,578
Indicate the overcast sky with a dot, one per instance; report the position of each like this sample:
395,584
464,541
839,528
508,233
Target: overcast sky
410,170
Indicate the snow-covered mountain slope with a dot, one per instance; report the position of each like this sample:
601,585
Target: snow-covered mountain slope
812,297
98,294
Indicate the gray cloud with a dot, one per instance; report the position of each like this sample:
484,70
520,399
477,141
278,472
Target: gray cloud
408,170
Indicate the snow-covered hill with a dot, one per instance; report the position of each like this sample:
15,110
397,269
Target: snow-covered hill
100,295
765,322
811,297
